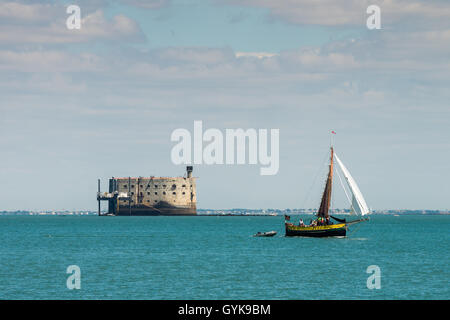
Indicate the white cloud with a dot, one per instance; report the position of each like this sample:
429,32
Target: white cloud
314,59
15,12
259,55
349,12
48,61
96,26
147,4
46,24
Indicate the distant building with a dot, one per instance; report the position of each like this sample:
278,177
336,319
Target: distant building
151,196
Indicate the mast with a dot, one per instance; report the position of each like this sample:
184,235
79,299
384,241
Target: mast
98,198
326,197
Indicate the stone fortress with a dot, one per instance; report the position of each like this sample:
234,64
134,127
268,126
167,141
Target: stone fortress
151,196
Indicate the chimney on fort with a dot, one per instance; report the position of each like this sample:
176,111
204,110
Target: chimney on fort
189,171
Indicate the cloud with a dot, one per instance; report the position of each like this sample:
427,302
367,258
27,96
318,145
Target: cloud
16,12
259,55
193,55
147,4
96,26
46,24
48,61
318,61
349,12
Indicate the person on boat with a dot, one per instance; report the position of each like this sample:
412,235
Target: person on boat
301,224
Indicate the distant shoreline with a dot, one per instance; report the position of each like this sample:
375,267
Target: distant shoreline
235,212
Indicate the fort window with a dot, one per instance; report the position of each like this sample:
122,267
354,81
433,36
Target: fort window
184,186
142,186
148,193
164,192
174,193
156,200
174,186
156,186
164,185
132,185
142,194
124,185
156,192
184,192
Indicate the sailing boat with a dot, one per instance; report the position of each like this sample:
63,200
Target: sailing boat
323,227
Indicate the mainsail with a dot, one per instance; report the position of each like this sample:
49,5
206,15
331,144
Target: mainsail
359,205
326,197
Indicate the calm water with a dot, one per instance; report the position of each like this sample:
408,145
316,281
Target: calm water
217,258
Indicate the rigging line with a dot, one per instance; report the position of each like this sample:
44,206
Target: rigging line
342,184
315,179
356,229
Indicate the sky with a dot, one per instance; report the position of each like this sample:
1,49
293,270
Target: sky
102,101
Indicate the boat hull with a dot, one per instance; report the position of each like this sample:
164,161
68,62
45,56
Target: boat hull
334,230
266,234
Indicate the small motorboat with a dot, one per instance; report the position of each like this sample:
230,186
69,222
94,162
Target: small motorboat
265,234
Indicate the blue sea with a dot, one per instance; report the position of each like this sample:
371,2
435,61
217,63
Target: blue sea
217,258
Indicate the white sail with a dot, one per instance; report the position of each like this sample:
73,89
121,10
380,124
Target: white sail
355,207
359,205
